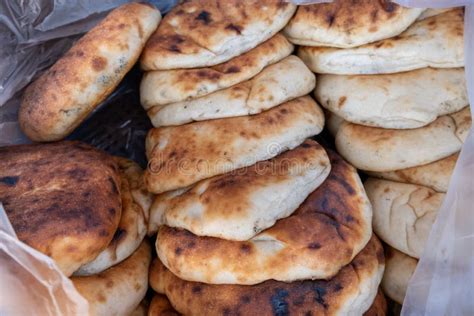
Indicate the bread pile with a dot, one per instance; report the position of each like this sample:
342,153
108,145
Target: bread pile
392,82
251,216
86,210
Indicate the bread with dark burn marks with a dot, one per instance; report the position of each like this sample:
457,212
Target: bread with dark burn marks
202,33
60,99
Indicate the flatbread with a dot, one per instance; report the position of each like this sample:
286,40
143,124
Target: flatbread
433,42
350,292
403,100
223,145
435,175
63,199
333,122
325,233
131,230
403,213
399,269
432,12
276,84
60,99
347,24
141,309
377,149
240,204
202,33
120,289
162,87
161,306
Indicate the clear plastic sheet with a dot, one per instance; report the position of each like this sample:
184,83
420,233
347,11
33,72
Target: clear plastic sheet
34,33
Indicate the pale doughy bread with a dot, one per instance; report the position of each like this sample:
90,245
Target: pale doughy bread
201,33
403,213
324,234
346,24
276,84
131,229
240,204
350,292
182,155
403,100
162,87
432,12
399,269
433,42
435,175
119,289
60,99
377,149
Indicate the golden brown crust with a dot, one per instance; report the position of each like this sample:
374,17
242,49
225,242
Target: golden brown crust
119,289
379,306
62,199
207,32
161,306
59,100
224,145
319,297
325,233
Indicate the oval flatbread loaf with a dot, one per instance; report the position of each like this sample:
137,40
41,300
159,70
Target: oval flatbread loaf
202,33
350,292
240,204
131,230
403,100
63,199
60,99
403,213
377,149
325,233
119,289
399,269
276,84
435,175
223,145
344,24
436,42
162,87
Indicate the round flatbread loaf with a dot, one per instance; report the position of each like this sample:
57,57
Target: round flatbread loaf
59,100
379,306
346,24
161,306
119,289
240,204
333,122
162,87
276,84
399,269
220,146
131,230
377,149
403,100
325,233
202,33
403,213
350,292
435,175
436,42
63,199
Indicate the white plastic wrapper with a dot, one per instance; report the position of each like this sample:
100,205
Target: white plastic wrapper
34,33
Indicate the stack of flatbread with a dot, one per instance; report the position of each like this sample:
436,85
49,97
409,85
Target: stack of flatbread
87,211
251,216
391,80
